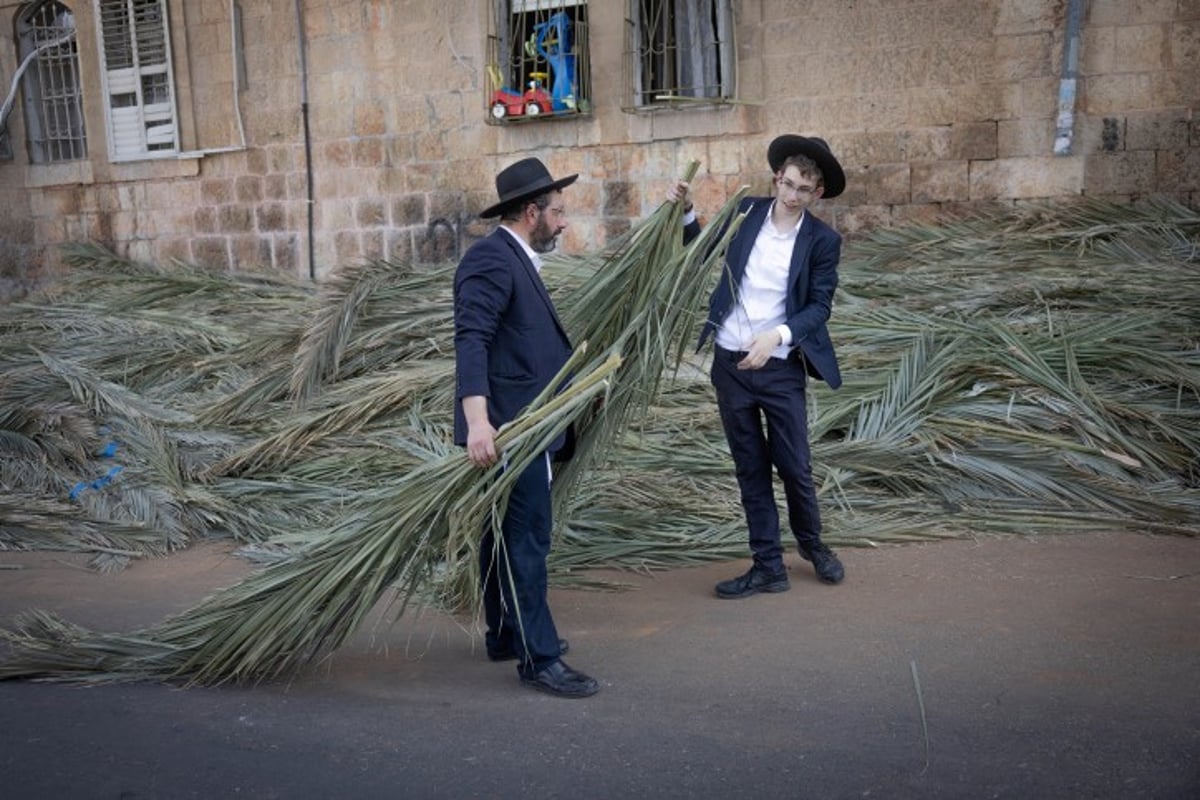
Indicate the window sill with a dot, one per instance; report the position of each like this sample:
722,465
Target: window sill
66,173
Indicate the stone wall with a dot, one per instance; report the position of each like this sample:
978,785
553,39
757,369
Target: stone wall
930,105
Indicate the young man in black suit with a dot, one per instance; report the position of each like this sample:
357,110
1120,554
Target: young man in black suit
767,316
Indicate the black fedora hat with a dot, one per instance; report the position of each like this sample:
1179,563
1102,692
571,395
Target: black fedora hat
524,180
815,148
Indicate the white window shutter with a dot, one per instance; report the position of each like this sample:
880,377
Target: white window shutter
138,81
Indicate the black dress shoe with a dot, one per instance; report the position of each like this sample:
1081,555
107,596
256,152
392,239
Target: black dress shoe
754,581
558,679
825,563
508,653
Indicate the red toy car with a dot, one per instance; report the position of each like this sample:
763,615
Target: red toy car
507,103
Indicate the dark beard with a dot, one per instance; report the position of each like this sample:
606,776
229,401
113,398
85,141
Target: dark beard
543,238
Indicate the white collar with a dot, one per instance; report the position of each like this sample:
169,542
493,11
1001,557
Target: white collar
534,256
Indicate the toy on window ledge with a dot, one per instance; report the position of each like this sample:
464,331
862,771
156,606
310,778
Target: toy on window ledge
552,41
507,102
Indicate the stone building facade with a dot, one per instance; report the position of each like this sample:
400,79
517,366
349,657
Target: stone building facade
308,135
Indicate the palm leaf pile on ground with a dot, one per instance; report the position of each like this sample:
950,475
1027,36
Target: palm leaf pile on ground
424,522
1034,371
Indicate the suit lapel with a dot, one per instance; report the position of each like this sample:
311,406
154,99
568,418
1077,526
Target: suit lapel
534,278
804,240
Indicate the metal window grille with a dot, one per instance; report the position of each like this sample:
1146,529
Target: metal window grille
53,97
137,76
679,51
538,65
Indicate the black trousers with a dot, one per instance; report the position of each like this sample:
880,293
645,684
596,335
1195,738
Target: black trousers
765,416
513,572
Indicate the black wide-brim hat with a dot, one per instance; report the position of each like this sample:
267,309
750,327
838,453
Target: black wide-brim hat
815,148
524,180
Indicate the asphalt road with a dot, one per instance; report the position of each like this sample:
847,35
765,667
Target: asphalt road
1062,667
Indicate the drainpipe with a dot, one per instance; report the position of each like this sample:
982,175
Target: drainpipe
1065,134
308,169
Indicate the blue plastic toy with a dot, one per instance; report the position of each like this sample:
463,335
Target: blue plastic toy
552,39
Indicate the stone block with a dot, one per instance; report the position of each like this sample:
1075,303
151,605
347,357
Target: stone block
1185,53
235,219
409,210
1025,56
205,219
1141,48
275,187
335,155
211,252
370,120
924,144
446,205
862,218
1097,50
1024,137
621,199
725,157
1129,12
250,252
1157,130
1178,170
1014,17
869,147
297,185
885,184
373,248
1118,93
213,191
1037,97
430,146
271,217
940,181
285,254
176,248
1119,173
371,213
347,247
257,161
280,158
974,141
369,153
1025,178
248,189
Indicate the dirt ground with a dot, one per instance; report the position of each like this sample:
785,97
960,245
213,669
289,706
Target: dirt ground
1059,667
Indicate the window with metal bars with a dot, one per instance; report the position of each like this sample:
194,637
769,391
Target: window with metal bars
50,86
538,65
135,52
679,52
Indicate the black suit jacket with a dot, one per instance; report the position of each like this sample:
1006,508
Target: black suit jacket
508,340
812,280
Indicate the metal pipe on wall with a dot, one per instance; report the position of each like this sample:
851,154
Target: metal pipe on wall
1064,136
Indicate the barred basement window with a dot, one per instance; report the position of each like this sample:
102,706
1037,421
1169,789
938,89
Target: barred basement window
50,86
138,82
679,52
538,65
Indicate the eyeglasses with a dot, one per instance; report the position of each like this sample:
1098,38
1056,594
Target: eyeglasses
799,191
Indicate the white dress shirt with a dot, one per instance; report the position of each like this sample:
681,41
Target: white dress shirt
760,303
529,251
